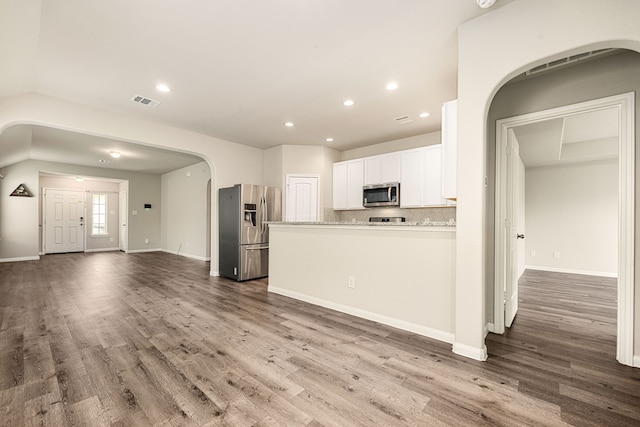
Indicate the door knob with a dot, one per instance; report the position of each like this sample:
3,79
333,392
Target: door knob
520,236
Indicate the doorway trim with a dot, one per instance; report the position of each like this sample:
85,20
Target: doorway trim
626,210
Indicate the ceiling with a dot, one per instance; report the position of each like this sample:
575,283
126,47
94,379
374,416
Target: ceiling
239,69
576,138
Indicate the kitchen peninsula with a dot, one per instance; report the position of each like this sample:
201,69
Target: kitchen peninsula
399,274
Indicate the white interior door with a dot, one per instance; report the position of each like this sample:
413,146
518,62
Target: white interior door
302,198
122,221
512,233
64,221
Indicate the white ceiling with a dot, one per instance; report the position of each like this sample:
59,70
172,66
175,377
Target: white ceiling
240,69
585,137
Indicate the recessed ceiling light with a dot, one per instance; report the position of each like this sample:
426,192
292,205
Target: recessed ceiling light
485,3
163,87
289,124
329,139
348,103
79,179
425,114
392,86
105,161
115,154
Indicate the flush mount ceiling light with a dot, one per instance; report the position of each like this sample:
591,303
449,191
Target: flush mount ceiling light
161,87
485,3
79,179
289,124
424,115
329,139
114,154
391,86
348,103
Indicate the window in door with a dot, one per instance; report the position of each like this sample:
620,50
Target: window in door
99,215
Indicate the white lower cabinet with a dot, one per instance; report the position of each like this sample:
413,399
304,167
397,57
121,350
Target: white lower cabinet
348,179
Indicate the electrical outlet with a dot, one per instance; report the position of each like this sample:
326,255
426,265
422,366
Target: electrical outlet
556,255
146,241
533,253
351,282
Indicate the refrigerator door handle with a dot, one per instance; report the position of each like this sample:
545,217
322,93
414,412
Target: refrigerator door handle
257,248
265,214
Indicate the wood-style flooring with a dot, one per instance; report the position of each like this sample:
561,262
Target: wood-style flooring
151,339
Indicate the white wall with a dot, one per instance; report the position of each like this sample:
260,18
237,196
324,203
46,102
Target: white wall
492,49
184,211
573,210
404,276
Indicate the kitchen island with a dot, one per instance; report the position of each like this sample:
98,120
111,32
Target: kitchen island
399,274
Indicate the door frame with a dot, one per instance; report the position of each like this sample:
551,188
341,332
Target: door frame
626,210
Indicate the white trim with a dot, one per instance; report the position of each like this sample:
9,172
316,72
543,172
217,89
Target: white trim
437,334
214,273
626,209
139,251
102,250
571,271
636,361
186,255
470,352
24,258
488,328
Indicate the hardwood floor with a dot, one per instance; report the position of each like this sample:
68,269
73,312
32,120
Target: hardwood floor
152,339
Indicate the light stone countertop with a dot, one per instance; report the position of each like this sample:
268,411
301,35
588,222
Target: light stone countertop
447,224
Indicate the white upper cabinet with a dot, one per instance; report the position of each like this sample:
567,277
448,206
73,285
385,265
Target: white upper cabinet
449,149
382,169
411,178
348,179
421,177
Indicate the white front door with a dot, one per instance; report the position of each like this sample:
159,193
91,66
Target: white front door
302,198
64,215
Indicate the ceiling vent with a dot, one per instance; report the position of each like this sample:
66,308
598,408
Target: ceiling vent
566,61
403,120
145,101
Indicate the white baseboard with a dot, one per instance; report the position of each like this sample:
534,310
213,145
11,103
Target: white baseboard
24,258
139,251
470,352
636,361
102,250
214,273
390,321
571,271
198,257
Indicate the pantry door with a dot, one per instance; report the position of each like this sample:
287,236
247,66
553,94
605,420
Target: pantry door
64,214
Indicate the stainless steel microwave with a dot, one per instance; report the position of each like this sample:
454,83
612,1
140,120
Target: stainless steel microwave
375,195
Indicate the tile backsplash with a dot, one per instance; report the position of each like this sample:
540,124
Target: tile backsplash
435,214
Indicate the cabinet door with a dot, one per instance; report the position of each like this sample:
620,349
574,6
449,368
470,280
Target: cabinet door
411,178
355,178
390,168
382,169
432,189
340,185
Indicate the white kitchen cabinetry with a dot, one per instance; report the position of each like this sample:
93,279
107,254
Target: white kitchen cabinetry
449,149
421,177
382,169
348,179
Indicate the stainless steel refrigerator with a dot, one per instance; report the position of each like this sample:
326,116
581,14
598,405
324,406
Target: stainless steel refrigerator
243,234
